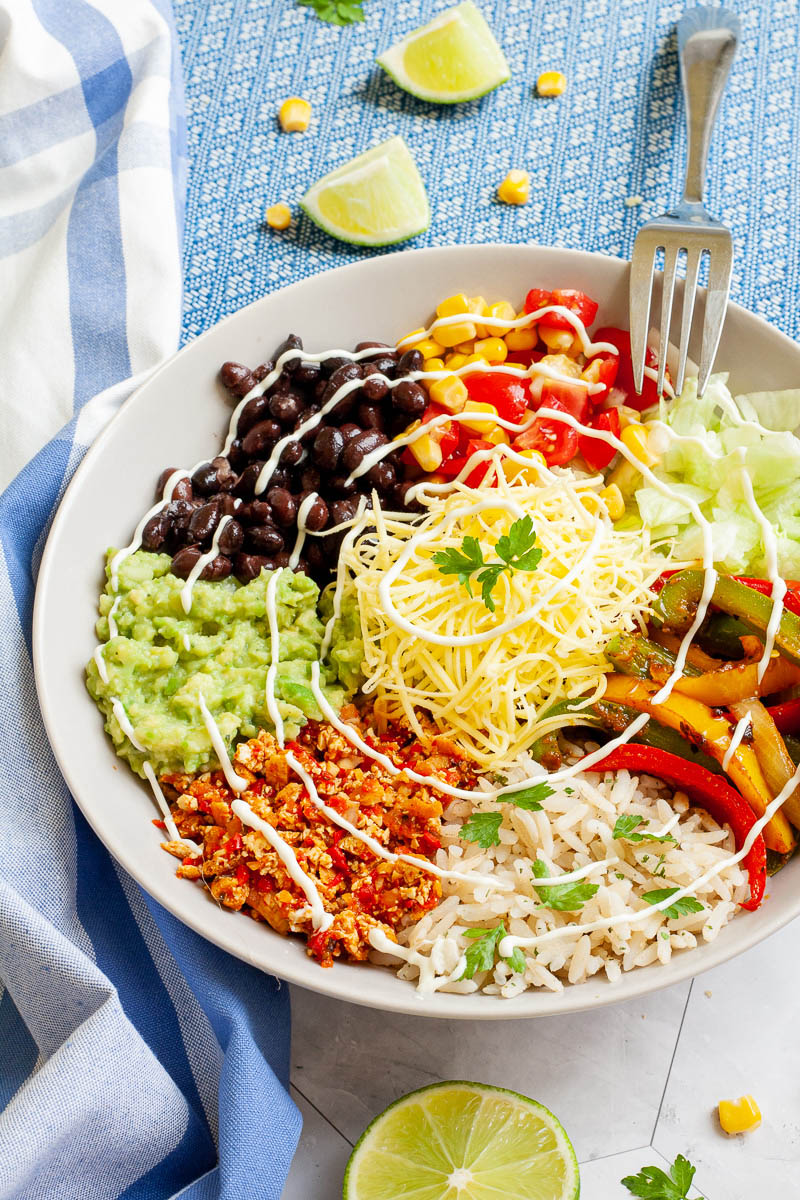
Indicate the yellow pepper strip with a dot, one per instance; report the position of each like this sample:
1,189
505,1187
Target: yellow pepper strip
773,757
698,725
732,682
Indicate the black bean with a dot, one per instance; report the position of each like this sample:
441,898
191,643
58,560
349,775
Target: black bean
182,490
286,407
410,360
349,430
246,483
344,374
226,476
231,538
185,560
291,454
254,411
331,365
359,447
372,346
375,388
371,416
179,513
263,371
382,476
343,510
385,364
310,411
204,521
155,531
204,479
401,497
316,514
318,390
219,568
237,378
261,437
257,512
315,553
281,386
328,447
284,506
292,342
236,454
280,477
282,559
308,373
340,485
410,398
266,539
302,567
227,504
310,479
249,566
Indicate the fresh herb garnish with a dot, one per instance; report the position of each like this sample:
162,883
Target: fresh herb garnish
480,955
482,827
564,897
626,828
529,798
652,1183
686,904
336,12
517,549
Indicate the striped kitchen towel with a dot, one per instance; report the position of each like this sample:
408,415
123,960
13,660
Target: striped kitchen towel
136,1059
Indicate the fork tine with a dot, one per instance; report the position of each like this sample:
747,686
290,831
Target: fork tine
640,288
719,282
693,258
667,292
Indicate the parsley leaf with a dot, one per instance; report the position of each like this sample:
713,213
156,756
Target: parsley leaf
529,798
482,827
652,1183
687,904
626,829
517,960
517,549
563,897
336,12
480,955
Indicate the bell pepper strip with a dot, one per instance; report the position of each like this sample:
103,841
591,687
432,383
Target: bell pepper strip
634,654
694,656
786,716
722,635
677,602
737,681
791,600
707,791
773,757
698,724
615,718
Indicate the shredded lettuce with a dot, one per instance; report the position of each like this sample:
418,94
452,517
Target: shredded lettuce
723,435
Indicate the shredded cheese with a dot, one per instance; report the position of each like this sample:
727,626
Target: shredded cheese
489,678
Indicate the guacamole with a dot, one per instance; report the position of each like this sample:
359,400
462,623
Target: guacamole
162,660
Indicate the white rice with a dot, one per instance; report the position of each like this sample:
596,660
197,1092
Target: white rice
574,829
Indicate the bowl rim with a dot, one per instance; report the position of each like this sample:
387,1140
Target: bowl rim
334,983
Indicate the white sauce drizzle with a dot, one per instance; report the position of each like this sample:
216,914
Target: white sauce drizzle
100,663
122,720
779,589
236,782
200,565
588,347
161,801
742,725
113,629
302,517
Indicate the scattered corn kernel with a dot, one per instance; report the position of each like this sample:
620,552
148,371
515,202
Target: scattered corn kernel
452,335
433,364
551,83
279,216
454,361
427,452
429,348
449,393
294,115
512,469
493,349
557,339
739,1116
613,500
521,339
515,188
635,439
485,419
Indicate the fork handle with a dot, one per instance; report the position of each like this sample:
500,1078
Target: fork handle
707,42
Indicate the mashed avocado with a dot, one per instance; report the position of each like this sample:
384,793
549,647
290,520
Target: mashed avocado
162,659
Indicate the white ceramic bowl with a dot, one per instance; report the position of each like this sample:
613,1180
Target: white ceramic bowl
179,416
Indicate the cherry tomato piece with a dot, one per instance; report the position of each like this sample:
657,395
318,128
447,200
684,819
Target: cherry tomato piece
624,380
554,439
596,453
509,395
537,298
584,308
602,369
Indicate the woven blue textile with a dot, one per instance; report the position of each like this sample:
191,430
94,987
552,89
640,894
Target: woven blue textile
616,133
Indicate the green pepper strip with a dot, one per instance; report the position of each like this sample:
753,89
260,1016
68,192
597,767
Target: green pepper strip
634,654
721,637
676,605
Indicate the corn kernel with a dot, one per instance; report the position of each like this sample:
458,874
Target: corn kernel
427,452
739,1116
493,349
562,364
433,364
453,306
627,416
515,188
485,419
521,339
514,470
557,339
551,83
497,436
502,311
613,500
465,348
635,439
480,308
451,335
294,115
411,339
412,428
429,348
517,366
476,358
279,216
454,361
449,393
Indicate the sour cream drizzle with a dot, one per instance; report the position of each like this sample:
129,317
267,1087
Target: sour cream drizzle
302,517
742,726
161,801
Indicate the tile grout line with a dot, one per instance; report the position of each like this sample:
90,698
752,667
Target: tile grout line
672,1060
587,1162
319,1111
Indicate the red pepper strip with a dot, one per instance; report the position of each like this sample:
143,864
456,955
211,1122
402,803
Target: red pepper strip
786,716
708,791
791,600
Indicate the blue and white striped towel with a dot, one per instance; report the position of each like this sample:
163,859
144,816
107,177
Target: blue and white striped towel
136,1059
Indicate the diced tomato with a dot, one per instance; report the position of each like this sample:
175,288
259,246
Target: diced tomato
243,874
454,466
601,369
338,859
429,843
446,435
584,308
624,380
596,453
556,440
264,884
509,395
572,397
536,298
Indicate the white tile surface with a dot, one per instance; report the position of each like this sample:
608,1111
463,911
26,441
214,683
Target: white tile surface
605,1074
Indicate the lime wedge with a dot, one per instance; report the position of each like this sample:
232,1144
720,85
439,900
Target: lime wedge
373,200
463,1141
453,58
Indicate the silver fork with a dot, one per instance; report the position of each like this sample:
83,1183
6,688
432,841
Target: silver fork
707,42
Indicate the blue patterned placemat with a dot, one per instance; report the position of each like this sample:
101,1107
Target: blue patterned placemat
616,133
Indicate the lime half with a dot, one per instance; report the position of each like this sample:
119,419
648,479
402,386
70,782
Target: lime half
463,1141
373,200
453,58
